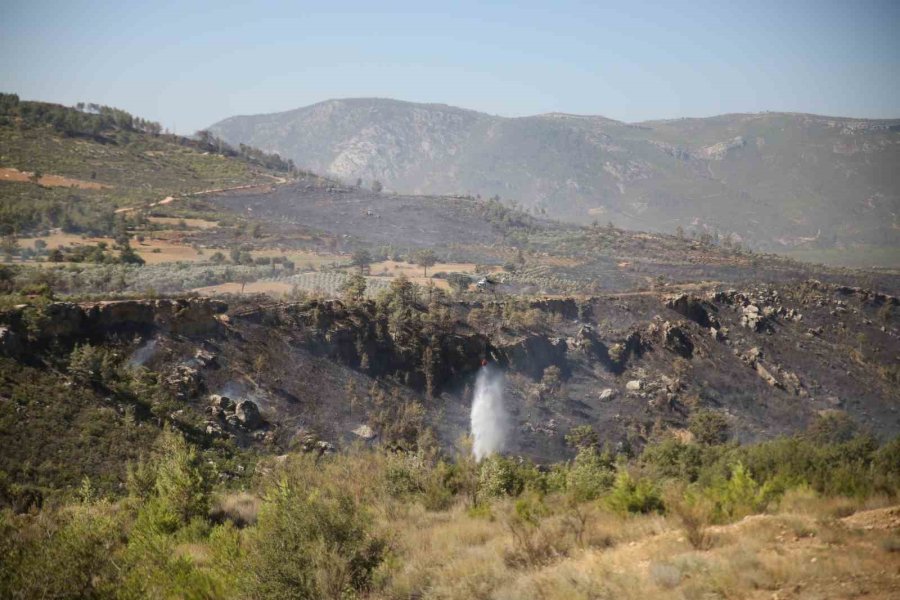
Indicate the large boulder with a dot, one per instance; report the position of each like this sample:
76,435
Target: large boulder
247,414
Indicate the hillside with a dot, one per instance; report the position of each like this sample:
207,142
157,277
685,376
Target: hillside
774,181
73,167
221,377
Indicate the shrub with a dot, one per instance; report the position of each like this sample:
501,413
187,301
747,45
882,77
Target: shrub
674,459
92,364
709,427
694,512
740,495
60,555
532,545
582,436
591,474
630,496
311,544
500,476
832,427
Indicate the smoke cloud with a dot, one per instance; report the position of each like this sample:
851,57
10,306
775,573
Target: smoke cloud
489,418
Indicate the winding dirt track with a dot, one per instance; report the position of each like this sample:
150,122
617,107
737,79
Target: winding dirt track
170,199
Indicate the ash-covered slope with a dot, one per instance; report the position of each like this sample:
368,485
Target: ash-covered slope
776,180
310,374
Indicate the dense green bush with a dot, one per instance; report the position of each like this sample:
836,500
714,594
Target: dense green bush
311,543
591,474
634,496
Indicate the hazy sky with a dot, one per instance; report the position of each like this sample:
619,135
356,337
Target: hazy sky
188,64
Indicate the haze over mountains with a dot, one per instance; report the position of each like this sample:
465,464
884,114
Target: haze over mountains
776,181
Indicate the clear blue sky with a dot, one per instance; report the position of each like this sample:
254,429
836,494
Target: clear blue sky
188,64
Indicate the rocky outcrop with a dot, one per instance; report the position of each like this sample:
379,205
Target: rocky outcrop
695,309
357,337
184,382
534,353
621,352
677,340
758,309
866,295
247,413
228,417
70,322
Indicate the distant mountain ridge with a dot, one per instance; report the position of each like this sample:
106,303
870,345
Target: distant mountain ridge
775,180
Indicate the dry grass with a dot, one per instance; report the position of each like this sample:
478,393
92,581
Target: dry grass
8,174
392,268
240,508
57,239
304,259
272,288
787,555
189,223
166,248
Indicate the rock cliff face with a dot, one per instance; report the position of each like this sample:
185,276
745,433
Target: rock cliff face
67,322
731,173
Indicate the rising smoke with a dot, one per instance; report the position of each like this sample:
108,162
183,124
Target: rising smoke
489,419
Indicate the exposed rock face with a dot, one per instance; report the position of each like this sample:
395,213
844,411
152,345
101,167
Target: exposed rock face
221,402
587,341
184,382
534,353
677,340
351,337
620,352
247,413
634,385
66,320
754,358
695,309
758,309
876,298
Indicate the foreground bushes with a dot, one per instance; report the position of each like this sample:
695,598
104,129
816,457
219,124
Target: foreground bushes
329,527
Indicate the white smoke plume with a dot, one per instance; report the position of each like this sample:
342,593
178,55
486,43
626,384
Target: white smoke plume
489,419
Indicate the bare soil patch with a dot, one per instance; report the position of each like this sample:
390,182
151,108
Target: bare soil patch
189,223
10,174
273,288
879,518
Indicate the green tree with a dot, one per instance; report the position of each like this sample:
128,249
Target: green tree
425,259
354,288
127,255
361,259
709,428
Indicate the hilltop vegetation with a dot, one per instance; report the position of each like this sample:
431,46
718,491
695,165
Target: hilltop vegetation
113,159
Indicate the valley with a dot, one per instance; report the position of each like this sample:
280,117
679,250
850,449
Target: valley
187,351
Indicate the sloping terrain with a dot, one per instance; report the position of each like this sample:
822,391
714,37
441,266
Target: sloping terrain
773,180
545,256
75,168
768,359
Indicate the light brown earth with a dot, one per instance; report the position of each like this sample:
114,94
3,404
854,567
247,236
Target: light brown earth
10,174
